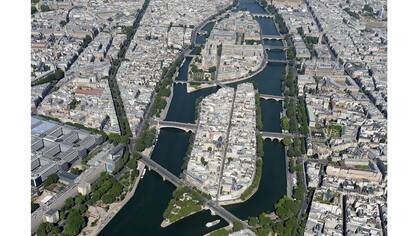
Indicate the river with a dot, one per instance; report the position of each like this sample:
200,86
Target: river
142,215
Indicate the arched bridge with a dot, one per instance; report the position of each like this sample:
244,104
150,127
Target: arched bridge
263,15
270,47
179,125
273,97
277,61
272,36
278,136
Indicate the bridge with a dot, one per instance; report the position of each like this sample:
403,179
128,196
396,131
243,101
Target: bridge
221,84
180,82
272,36
263,15
211,205
178,125
166,174
202,32
278,136
213,83
277,61
270,47
195,82
273,97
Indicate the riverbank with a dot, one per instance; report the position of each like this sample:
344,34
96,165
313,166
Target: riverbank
168,100
239,200
167,222
224,231
263,65
114,208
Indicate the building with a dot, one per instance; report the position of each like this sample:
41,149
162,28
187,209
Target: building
354,174
66,178
56,146
113,157
84,188
52,216
41,173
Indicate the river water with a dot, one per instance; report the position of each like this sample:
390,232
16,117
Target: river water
142,215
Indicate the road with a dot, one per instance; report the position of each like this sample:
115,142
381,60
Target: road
225,146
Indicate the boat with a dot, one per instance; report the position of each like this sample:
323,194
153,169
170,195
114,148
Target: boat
212,223
142,174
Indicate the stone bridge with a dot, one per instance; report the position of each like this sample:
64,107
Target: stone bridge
187,127
273,97
278,136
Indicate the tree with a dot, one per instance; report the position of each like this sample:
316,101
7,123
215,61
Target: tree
263,219
300,31
291,53
203,161
52,179
292,166
86,40
74,223
45,8
146,139
46,228
132,164
136,156
68,204
368,9
108,198
264,231
286,208
114,138
285,123
34,206
237,226
79,199
82,209
63,23
253,221
135,173
33,10
278,228
287,141
293,124
260,146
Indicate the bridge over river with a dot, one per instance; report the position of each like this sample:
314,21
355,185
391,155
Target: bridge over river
278,136
189,127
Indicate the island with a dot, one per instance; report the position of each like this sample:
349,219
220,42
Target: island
184,202
233,52
222,162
